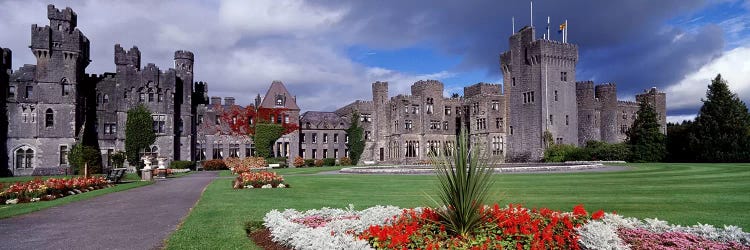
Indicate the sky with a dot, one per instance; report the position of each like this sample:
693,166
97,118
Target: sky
328,53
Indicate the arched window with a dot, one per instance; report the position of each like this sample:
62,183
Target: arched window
65,87
150,95
49,118
24,157
105,99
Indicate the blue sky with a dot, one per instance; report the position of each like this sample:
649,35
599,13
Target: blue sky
328,52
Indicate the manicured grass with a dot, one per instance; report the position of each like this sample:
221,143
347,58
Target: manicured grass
19,209
680,193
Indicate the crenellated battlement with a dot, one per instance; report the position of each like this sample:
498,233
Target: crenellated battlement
131,58
184,54
482,88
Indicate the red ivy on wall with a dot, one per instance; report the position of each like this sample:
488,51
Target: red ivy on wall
238,120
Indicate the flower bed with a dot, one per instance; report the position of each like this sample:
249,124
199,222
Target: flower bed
49,189
247,164
512,227
262,179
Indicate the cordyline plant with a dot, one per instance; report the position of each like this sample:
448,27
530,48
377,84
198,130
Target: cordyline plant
464,182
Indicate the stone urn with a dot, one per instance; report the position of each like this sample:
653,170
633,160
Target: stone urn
162,170
146,174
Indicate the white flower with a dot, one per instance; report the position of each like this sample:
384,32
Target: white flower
11,201
281,186
249,186
267,186
35,199
600,235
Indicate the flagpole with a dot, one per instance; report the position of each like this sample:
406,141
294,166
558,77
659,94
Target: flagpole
513,20
532,13
548,37
565,32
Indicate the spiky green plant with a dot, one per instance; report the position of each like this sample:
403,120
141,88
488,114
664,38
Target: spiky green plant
464,182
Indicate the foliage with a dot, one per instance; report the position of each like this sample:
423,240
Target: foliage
118,159
51,188
560,153
318,163
265,136
298,162
678,142
310,162
139,134
215,164
720,131
602,151
356,142
513,227
647,143
241,165
238,120
464,182
181,165
548,139
329,162
81,155
345,161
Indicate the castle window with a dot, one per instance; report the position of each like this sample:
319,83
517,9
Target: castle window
218,152
564,76
105,99
496,148
29,91
279,100
511,130
495,105
367,135
567,121
302,138
434,125
65,87
445,125
556,95
325,153
110,128
25,117
159,97
325,138
286,118
314,153
412,149
24,158
395,125
125,94
447,110
514,81
336,153
365,118
559,140
314,137
142,97
200,153
250,150
335,138
159,123
415,109
429,105
63,154
150,95
11,91
234,150
497,123
49,118
346,140
180,125
33,117
407,124
551,122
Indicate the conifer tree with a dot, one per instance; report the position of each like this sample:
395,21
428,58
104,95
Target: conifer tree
647,144
720,132
139,133
356,142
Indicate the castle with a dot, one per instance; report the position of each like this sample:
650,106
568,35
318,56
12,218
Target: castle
54,104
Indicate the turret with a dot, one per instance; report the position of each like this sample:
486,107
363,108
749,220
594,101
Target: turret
131,58
607,94
183,63
658,100
65,20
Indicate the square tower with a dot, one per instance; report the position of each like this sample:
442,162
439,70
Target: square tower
540,92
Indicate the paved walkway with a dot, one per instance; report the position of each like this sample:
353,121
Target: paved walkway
139,218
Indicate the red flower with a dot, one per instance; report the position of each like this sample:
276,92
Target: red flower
578,210
597,215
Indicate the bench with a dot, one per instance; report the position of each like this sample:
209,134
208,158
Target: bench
115,175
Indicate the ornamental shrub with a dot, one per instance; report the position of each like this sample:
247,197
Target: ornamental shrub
318,162
345,161
356,143
329,161
118,159
298,162
80,156
265,135
310,162
139,134
561,153
181,164
215,164
602,151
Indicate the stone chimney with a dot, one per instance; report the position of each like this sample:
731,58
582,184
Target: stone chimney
215,100
229,101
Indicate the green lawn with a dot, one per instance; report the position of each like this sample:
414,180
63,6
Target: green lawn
680,193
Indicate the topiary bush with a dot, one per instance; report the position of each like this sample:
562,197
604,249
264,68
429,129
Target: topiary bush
318,162
215,164
181,165
329,161
299,162
310,162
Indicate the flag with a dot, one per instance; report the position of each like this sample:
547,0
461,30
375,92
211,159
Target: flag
562,27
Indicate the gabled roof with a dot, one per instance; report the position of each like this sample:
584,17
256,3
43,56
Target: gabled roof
324,120
277,89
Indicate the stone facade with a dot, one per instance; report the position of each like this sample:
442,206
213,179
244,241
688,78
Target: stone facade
323,135
544,97
408,129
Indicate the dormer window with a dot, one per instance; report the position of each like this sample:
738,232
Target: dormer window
279,100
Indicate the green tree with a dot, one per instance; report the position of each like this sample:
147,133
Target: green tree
139,134
265,135
647,144
81,156
678,142
720,131
356,142
118,159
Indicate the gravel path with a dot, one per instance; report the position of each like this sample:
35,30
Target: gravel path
139,218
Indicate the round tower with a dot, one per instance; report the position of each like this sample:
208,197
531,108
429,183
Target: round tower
586,99
607,94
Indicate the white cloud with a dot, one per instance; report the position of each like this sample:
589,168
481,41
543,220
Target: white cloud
284,17
680,118
732,65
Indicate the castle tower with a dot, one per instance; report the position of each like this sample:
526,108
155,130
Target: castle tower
588,128
380,118
6,64
185,111
541,94
607,95
658,100
127,60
